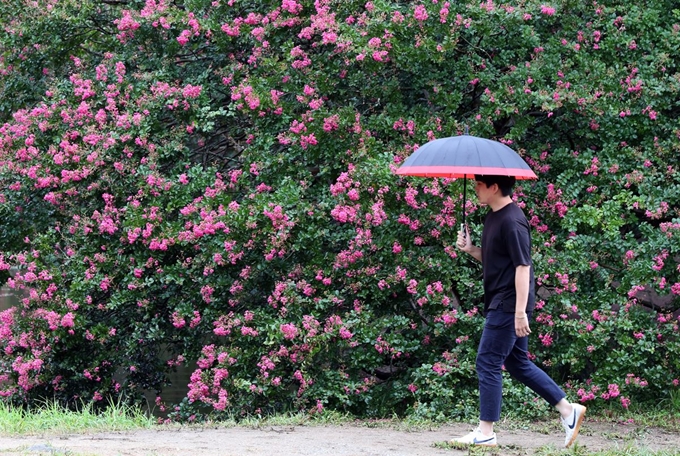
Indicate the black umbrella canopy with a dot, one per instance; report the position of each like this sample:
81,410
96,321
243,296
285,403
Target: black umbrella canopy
464,156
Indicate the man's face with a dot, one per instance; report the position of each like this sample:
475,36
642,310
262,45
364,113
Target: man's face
483,192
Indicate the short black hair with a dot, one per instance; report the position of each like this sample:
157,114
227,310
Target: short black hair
505,183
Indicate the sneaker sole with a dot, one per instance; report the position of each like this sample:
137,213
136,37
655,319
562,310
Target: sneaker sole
577,427
466,445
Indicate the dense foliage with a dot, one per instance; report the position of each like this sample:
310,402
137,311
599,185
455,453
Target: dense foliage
211,184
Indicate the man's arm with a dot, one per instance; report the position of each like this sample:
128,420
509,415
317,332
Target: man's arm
522,277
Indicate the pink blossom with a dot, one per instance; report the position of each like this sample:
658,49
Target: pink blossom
308,91
231,30
345,334
396,248
586,396
628,256
248,331
331,123
258,33
420,13
191,91
547,10
67,320
127,22
177,320
196,320
289,331
344,214
444,13
412,286
105,284
377,215
184,37
291,6
613,390
379,56
546,339
315,104
207,292
329,37
440,368
449,318
625,402
675,288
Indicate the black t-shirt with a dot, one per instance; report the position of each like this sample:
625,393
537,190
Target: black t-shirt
506,244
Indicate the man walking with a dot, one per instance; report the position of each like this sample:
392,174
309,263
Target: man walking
508,278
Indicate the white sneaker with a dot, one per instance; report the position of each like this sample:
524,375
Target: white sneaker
573,423
475,438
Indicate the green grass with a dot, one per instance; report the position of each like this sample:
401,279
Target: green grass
581,451
331,418
51,418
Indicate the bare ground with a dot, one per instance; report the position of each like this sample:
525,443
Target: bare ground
336,440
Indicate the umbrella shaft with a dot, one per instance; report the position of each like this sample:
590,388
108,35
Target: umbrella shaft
464,201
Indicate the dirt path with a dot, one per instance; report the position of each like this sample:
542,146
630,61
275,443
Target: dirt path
346,440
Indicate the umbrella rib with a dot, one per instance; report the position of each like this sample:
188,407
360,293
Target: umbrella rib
477,156
499,158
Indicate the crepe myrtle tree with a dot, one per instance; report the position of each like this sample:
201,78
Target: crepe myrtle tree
210,185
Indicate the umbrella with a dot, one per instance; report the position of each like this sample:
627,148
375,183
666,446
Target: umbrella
464,156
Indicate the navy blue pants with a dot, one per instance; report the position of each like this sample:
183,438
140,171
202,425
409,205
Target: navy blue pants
501,346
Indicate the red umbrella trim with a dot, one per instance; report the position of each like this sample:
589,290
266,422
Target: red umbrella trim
465,171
